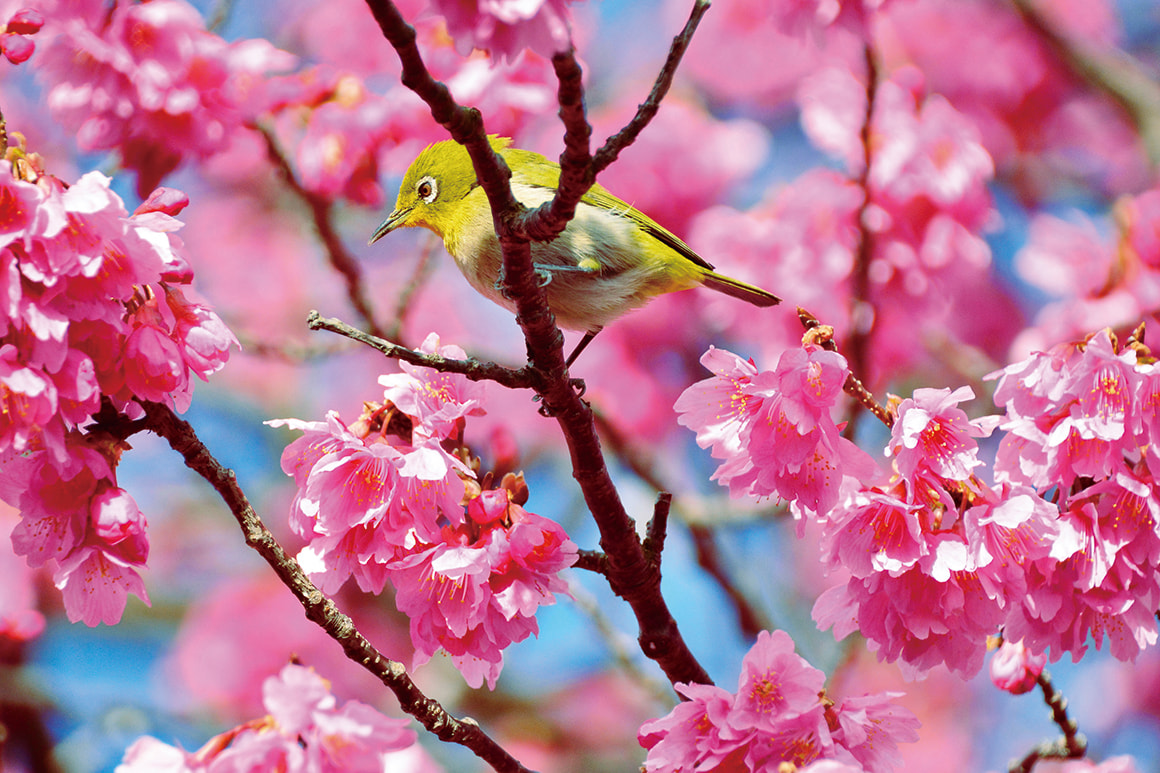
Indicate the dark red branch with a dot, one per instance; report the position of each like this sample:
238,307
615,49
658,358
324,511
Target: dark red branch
631,575
862,309
1072,746
319,608
322,213
473,369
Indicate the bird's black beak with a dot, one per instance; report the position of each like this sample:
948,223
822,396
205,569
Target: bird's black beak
393,221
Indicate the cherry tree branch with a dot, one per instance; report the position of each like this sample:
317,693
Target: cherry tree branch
862,312
823,336
1072,746
632,576
578,167
475,370
322,213
750,620
181,437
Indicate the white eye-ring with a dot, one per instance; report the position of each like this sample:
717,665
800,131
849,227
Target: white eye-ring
427,189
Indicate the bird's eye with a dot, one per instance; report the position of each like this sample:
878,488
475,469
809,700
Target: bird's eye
427,189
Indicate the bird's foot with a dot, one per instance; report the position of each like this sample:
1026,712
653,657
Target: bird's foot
576,383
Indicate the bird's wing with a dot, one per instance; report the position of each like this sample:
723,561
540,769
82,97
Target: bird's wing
537,171
598,196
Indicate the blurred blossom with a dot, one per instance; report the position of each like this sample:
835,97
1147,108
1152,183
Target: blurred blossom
151,83
780,713
241,630
688,161
1033,114
306,730
504,28
16,36
20,620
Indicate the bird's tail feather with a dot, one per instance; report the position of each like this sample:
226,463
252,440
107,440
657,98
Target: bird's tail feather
738,289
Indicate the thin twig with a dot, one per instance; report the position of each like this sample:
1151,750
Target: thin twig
319,608
472,369
322,211
658,527
862,313
823,336
749,619
1072,746
219,14
591,561
618,644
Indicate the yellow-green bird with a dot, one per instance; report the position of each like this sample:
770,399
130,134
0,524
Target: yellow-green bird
609,260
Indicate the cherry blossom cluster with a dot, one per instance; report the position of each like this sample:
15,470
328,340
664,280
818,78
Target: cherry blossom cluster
779,714
1061,549
306,729
1082,426
148,80
95,315
382,500
773,430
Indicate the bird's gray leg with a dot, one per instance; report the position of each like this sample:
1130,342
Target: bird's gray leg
587,339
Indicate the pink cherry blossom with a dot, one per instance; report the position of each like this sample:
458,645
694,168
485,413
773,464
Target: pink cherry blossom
95,584
933,440
690,735
16,36
435,401
153,363
775,684
477,591
120,524
773,429
307,729
362,492
780,713
377,508
718,409
87,326
870,727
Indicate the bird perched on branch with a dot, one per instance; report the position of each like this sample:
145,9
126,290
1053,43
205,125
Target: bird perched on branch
610,259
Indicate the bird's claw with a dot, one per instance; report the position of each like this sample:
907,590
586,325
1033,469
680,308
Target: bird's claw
576,383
